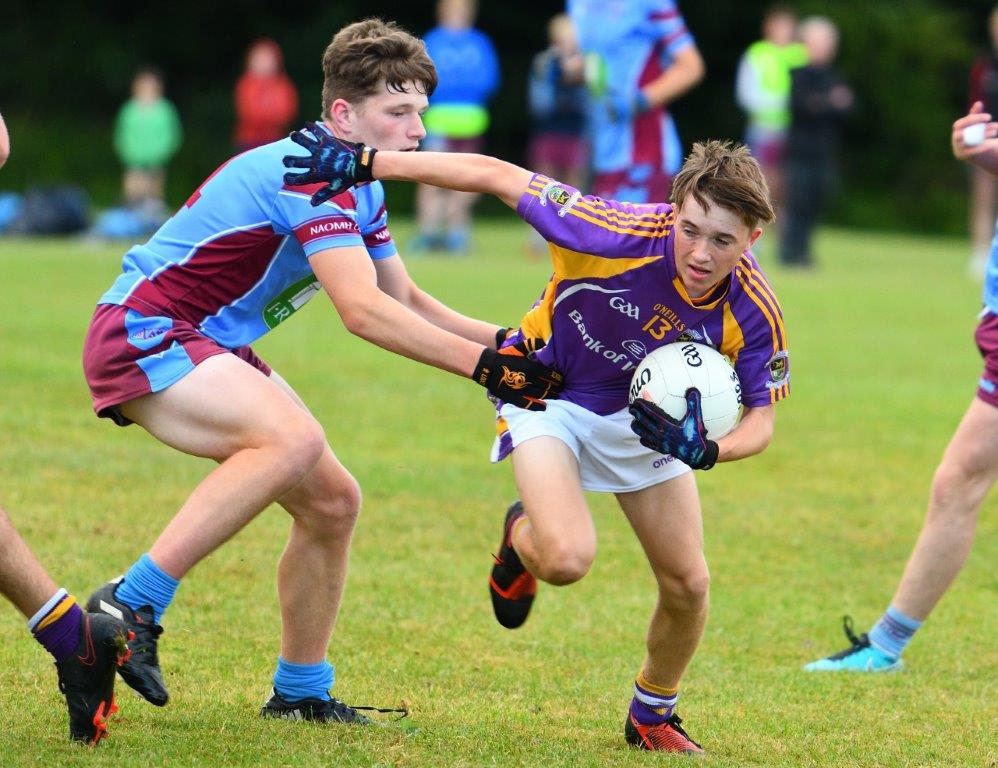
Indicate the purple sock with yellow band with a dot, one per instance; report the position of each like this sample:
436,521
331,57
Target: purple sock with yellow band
56,625
652,704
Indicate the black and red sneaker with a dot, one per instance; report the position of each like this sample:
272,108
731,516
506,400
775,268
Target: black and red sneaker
512,587
86,678
141,671
662,737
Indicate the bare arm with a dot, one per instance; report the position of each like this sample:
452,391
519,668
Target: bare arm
453,170
4,142
750,437
394,279
983,155
686,70
351,282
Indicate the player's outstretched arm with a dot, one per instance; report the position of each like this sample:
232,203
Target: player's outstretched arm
349,278
342,164
979,144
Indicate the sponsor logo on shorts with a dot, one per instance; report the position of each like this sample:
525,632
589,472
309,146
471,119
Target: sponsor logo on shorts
289,301
662,461
595,345
779,370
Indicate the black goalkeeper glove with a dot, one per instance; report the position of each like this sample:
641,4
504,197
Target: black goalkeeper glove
342,164
686,439
516,379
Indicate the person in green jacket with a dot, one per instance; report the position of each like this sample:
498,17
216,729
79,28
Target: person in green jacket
147,134
763,91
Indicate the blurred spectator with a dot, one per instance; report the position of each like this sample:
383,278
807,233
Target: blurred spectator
468,72
557,109
146,135
639,59
763,92
819,100
984,186
4,142
266,99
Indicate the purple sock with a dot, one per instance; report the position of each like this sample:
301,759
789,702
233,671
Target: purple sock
649,707
61,635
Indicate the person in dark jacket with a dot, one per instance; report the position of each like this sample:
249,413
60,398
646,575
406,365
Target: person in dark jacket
819,100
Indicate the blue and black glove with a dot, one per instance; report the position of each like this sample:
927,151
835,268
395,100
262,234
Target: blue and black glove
686,439
340,163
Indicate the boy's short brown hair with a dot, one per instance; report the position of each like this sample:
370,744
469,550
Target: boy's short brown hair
727,174
363,55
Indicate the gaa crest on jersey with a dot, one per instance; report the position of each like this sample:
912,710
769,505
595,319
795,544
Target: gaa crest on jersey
559,195
779,369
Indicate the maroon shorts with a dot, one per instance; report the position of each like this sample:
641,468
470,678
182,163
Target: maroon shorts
127,355
638,185
986,337
560,151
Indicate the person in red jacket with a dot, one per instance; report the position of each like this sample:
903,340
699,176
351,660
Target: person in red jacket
266,99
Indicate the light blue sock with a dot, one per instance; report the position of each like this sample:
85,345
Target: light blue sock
303,681
147,584
893,632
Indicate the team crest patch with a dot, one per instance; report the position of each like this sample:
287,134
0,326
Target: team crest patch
559,195
779,370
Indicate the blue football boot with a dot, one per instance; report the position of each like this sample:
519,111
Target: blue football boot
860,656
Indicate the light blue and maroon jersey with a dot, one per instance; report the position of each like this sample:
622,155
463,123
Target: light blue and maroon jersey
632,42
616,295
234,260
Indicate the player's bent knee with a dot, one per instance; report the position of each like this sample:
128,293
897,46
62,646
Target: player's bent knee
687,591
958,490
564,566
301,444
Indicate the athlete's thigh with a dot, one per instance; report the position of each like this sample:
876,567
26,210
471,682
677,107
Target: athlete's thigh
667,521
219,408
329,479
547,477
974,446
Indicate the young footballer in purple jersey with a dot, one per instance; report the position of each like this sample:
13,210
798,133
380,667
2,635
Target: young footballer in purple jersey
168,349
627,279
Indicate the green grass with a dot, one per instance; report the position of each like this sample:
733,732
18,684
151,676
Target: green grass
821,524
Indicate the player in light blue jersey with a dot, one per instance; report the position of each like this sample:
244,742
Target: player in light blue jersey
168,349
968,469
640,57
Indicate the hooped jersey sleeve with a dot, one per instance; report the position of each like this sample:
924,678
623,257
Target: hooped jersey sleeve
355,217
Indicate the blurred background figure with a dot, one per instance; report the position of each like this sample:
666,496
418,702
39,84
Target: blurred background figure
819,100
4,142
762,90
639,59
146,135
266,99
983,185
557,100
468,72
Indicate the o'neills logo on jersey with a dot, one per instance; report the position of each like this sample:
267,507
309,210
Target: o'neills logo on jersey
324,227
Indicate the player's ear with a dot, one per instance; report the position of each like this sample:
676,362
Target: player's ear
343,116
754,236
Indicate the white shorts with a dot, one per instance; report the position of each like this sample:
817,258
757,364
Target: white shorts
611,459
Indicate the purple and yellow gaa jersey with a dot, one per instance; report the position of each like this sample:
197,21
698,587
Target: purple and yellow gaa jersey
630,43
616,295
234,260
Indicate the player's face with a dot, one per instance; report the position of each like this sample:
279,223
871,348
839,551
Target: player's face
708,244
390,119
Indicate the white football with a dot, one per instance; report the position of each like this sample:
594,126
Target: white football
666,373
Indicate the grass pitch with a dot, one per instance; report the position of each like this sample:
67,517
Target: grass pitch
821,524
